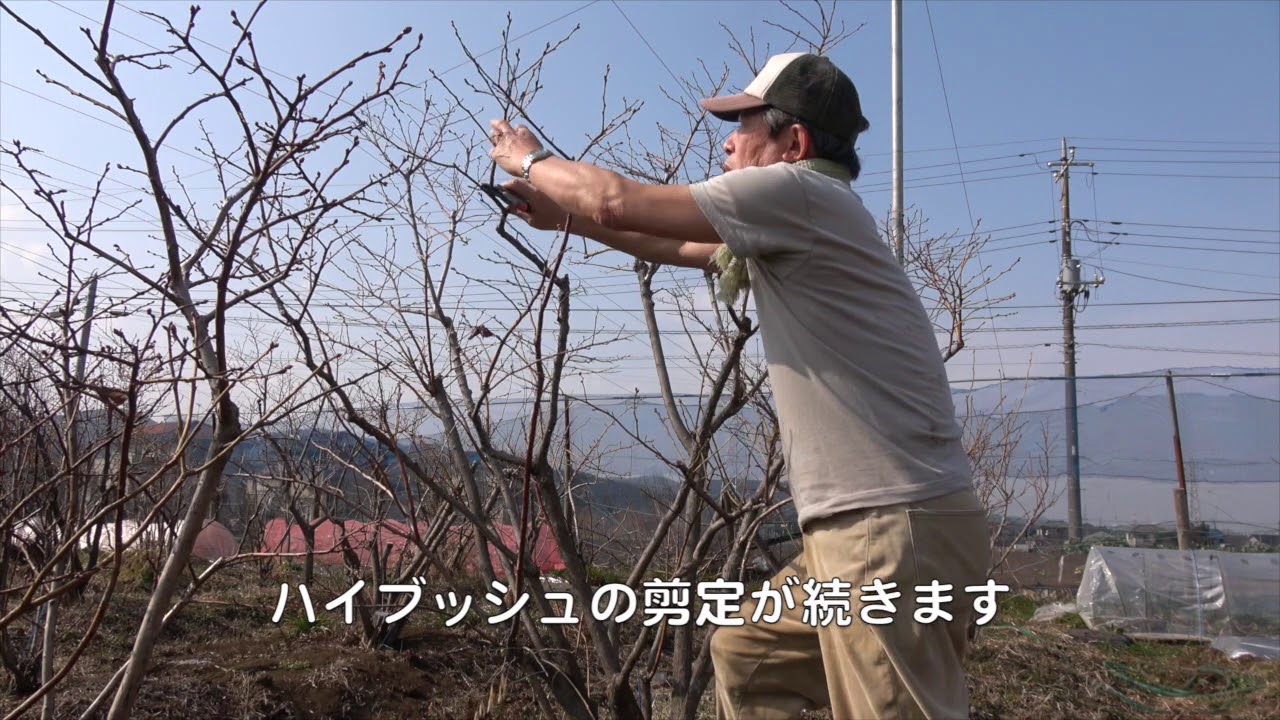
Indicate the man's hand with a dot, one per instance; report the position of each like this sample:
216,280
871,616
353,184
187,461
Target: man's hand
543,213
511,146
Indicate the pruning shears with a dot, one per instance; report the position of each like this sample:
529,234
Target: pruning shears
505,198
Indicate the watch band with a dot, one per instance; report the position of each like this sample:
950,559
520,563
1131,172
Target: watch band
532,158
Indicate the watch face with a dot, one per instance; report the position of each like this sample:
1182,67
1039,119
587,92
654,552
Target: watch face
534,157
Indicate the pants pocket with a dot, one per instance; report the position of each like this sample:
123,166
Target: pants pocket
950,545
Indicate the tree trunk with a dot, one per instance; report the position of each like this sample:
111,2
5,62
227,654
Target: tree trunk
148,632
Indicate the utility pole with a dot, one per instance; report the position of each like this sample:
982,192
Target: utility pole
71,412
1071,287
1180,510
899,225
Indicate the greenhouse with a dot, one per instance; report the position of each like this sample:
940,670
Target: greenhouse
1181,594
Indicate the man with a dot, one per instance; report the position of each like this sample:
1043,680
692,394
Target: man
875,461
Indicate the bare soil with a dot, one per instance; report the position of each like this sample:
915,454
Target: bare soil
224,658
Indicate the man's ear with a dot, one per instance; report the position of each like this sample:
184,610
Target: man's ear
800,145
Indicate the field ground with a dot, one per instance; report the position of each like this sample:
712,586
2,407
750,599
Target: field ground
224,658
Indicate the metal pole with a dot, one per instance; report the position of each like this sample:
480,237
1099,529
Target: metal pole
88,325
1071,286
72,410
899,226
1181,512
1069,290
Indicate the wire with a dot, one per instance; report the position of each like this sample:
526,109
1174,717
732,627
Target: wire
1021,378
343,301
117,126
1183,141
462,64
653,52
1201,351
1176,150
1236,390
1187,247
1126,233
573,274
1189,227
1190,162
1190,285
1198,177
151,223
967,147
1123,261
948,165
973,225
1097,253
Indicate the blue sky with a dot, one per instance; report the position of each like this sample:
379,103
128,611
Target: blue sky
1176,103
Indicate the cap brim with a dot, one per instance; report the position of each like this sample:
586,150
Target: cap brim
728,107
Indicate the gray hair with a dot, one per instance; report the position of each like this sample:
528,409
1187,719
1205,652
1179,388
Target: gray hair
825,145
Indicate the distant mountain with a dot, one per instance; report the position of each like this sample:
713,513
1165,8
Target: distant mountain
1039,395
1230,427
1230,431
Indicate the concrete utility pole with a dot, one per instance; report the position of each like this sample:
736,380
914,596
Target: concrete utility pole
71,412
1180,510
1070,287
899,225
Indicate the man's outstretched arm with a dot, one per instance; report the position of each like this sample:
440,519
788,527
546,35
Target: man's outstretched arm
545,214
666,251
618,210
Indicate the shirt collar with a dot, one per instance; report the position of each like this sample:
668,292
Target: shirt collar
830,168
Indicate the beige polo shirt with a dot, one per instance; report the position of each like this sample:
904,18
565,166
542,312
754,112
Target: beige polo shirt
858,381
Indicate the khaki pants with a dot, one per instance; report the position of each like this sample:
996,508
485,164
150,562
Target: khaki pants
776,668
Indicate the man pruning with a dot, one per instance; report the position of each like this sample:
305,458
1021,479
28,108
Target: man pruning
875,460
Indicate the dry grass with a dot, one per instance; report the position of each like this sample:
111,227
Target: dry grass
223,658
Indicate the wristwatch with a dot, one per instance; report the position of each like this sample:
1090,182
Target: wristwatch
532,158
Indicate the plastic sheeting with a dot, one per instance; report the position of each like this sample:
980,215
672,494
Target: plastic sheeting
389,537
214,541
1238,647
1201,594
392,540
543,549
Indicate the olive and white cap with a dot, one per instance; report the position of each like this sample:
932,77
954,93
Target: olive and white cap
805,85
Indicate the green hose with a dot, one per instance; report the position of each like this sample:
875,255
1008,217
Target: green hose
1237,688
1024,631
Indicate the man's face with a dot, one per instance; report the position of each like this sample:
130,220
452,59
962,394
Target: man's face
750,145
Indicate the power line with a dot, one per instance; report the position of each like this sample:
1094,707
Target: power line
464,63
653,52
1123,261
1192,162
1199,176
121,128
1194,351
1185,247
966,147
1126,233
696,332
1268,373
570,271
1188,227
1190,285
887,187
950,164
1183,141
973,225
151,223
344,301
1236,390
